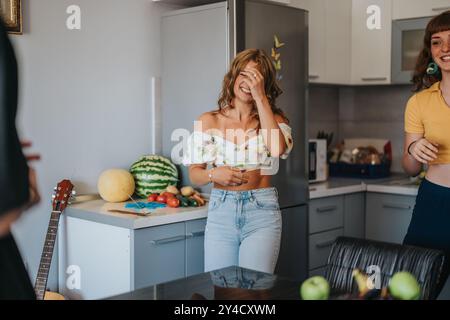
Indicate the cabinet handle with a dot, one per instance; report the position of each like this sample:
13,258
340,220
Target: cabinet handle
196,234
440,9
396,206
314,76
326,209
167,240
325,244
374,78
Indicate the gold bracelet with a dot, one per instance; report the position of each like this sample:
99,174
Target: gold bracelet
210,175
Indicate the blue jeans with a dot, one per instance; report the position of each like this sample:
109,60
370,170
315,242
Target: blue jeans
243,229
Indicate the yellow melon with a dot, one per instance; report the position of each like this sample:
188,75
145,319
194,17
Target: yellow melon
115,185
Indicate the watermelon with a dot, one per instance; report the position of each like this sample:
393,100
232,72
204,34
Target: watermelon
152,174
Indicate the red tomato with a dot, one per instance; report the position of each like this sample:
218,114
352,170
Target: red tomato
173,202
168,194
161,198
152,197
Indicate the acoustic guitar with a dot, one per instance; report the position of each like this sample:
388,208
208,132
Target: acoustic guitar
61,198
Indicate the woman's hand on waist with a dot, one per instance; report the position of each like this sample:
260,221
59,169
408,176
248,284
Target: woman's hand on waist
227,176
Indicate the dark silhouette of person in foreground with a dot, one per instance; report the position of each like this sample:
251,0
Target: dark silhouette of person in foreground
18,189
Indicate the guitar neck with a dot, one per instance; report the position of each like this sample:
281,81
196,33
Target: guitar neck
47,254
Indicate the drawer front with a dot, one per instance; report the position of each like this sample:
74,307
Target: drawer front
388,216
326,214
159,254
195,252
320,247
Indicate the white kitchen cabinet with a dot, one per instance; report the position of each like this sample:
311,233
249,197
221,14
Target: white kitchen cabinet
316,37
329,40
281,1
342,49
338,41
99,260
371,47
406,9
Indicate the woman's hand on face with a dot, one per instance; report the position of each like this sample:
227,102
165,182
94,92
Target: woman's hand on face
228,177
424,151
255,81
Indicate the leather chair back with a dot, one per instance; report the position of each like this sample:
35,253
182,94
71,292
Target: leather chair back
348,254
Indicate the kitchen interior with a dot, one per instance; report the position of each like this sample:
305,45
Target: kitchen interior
350,182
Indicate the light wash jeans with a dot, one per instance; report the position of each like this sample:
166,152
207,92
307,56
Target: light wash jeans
233,277
243,229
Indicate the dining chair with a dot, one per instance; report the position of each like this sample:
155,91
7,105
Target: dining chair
385,259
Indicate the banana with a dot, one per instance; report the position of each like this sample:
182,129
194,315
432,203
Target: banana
361,281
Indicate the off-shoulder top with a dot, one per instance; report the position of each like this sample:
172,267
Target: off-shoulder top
214,149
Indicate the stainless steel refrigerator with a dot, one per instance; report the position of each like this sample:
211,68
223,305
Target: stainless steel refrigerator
198,44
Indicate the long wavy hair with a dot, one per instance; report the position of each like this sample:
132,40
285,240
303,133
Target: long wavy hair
267,69
421,79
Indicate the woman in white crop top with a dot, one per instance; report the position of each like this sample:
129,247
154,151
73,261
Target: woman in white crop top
234,148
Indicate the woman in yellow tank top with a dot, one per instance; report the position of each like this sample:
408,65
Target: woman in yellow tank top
427,141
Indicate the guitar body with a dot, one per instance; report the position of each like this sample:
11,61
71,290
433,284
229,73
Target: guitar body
49,295
63,193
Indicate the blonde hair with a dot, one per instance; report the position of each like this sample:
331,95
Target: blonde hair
267,69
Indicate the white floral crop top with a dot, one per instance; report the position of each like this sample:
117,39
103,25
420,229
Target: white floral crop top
214,149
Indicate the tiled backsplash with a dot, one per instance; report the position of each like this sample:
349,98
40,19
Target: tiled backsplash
323,111
360,112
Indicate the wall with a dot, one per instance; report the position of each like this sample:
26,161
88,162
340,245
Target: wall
84,97
363,111
323,111
375,112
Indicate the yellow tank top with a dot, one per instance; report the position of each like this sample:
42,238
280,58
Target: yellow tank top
428,113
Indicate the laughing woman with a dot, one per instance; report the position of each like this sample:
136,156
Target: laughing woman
240,141
427,141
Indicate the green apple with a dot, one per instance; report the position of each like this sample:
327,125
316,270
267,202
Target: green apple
404,286
315,288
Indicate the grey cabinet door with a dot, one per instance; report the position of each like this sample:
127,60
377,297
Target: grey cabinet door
326,214
320,247
354,215
195,253
159,254
388,216
293,257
